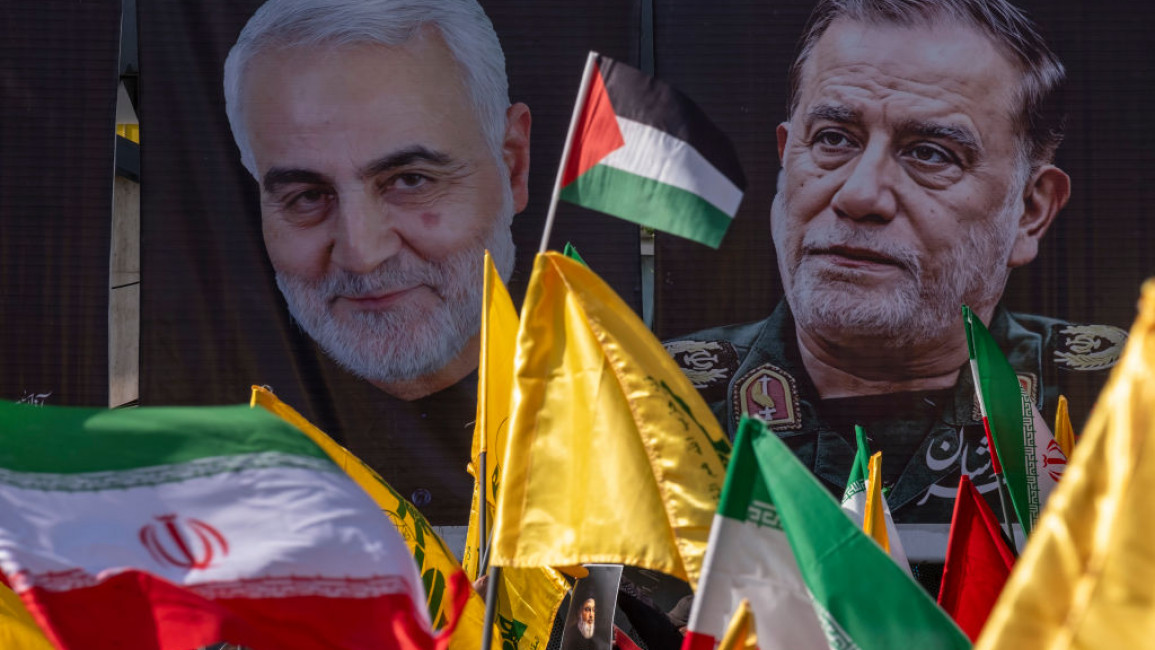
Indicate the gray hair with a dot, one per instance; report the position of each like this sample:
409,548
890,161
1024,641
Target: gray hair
1039,121
463,25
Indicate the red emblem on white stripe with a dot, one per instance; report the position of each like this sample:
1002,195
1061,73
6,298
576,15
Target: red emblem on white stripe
183,543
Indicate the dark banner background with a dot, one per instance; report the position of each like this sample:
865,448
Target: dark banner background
732,56
58,78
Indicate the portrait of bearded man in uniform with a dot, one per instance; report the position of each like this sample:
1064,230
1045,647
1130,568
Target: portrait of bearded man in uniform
917,170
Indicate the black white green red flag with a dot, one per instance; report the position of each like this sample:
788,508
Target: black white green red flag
642,151
1025,450
176,528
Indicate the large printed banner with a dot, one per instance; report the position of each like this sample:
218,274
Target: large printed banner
213,320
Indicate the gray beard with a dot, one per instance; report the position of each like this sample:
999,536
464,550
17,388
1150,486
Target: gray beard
587,630
405,342
924,308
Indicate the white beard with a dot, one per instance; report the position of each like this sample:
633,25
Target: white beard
586,629
922,308
404,342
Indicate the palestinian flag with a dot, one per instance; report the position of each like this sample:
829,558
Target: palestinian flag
1025,450
642,151
176,528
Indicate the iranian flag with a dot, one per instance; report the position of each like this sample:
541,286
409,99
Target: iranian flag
1025,450
176,528
749,558
862,598
642,151
856,505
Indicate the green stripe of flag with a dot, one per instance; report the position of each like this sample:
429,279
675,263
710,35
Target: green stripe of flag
65,440
649,203
864,600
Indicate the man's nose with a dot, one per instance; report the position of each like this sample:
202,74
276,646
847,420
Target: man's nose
365,234
868,191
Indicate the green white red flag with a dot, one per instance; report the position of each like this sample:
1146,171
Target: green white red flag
749,558
176,528
642,151
854,500
1025,451
863,600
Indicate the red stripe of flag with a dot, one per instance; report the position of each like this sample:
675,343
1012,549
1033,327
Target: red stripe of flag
597,133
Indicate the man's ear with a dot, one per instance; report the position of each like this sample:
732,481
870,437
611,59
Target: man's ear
1045,194
783,132
515,153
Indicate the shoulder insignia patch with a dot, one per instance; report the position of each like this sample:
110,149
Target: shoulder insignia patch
769,394
1088,347
705,363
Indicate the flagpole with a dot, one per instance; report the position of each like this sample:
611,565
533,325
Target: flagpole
490,607
583,92
1008,530
482,506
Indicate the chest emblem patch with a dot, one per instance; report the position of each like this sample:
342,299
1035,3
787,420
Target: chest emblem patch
769,394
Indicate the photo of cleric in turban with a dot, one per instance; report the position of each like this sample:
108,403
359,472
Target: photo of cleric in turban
917,172
589,625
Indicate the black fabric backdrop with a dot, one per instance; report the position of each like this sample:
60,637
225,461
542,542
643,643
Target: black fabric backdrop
58,78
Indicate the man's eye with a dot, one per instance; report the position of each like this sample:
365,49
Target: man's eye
931,155
309,199
833,139
409,181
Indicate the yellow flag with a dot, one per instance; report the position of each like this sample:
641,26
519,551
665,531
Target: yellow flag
17,627
740,633
528,599
874,524
494,387
435,562
1064,432
1087,576
617,458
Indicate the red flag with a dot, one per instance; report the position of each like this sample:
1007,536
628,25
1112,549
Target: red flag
977,561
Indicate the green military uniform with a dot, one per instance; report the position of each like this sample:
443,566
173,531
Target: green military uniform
927,437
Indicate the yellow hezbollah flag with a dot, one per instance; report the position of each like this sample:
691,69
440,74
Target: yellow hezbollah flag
1064,432
527,599
740,633
1087,577
435,562
617,457
17,627
494,386
874,523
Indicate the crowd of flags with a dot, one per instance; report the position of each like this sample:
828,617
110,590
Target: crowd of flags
176,528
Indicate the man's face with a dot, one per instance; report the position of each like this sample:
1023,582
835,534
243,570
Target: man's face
378,196
589,611
901,192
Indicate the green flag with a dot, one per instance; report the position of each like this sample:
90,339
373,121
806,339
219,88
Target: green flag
863,599
571,252
1026,452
